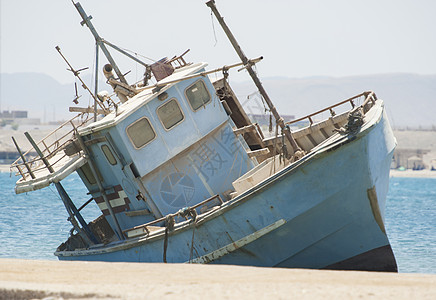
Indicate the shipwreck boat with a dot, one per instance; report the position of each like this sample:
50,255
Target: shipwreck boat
181,174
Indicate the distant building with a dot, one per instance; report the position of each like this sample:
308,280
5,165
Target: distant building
19,117
15,114
409,159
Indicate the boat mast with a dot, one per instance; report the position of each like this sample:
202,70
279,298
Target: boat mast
96,81
121,87
98,40
248,65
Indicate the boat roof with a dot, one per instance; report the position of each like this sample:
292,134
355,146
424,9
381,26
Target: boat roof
130,106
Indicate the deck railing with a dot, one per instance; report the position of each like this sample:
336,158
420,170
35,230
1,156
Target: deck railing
50,145
370,99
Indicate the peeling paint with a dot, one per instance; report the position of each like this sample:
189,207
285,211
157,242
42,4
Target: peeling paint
238,244
372,196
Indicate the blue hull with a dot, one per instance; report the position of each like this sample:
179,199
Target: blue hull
324,211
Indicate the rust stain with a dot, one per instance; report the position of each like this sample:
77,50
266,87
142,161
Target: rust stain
372,196
230,237
248,252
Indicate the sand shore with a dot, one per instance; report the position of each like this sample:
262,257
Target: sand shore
99,280
4,168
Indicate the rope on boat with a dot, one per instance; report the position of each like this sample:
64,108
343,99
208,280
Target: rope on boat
213,28
273,166
355,121
284,150
170,221
193,213
169,225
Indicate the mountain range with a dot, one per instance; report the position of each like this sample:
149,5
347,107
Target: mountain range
409,98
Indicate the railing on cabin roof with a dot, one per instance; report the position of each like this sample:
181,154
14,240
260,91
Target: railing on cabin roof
369,101
51,145
50,149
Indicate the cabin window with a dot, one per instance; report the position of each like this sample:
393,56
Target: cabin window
170,114
86,169
109,156
198,95
140,133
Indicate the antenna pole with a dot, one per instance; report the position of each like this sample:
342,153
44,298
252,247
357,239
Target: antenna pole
96,81
76,73
248,66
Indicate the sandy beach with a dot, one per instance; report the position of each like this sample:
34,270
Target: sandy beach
100,280
5,168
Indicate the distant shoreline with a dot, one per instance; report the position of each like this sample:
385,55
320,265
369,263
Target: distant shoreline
4,168
413,174
393,173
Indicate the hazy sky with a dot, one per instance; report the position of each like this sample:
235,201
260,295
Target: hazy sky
296,38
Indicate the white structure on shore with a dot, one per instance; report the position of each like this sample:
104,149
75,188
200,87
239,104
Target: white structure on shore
19,117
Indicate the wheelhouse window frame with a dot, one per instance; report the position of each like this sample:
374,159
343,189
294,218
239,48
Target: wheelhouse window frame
160,118
204,103
110,157
132,140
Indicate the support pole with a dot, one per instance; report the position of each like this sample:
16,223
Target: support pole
75,212
69,205
23,159
248,66
96,81
41,155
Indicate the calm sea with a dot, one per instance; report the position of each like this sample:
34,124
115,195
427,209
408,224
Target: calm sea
32,225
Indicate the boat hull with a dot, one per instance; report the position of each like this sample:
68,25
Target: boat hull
324,211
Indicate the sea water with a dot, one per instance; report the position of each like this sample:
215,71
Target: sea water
411,223
33,225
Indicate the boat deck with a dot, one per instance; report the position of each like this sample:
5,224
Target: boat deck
51,163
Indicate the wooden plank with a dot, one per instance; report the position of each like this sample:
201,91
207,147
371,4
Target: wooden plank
86,110
263,151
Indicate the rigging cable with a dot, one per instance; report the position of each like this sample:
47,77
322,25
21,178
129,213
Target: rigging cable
138,54
213,28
